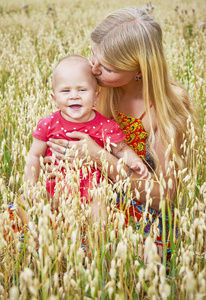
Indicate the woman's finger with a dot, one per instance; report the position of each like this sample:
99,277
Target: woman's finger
58,142
58,154
77,135
92,147
76,144
57,148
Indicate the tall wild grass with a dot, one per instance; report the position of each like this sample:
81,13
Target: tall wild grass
50,263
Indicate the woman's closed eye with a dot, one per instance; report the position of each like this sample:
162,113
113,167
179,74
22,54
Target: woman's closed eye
108,70
94,60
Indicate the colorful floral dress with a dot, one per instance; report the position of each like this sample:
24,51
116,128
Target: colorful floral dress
137,139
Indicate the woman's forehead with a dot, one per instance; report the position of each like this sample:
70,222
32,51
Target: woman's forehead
96,50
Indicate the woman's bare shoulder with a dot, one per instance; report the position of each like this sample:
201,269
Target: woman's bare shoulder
146,121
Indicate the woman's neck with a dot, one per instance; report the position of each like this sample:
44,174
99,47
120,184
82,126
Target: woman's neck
131,92
131,101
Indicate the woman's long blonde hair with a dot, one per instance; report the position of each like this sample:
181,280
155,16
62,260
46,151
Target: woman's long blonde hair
130,39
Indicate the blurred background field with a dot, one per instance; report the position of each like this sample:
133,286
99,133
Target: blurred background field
34,35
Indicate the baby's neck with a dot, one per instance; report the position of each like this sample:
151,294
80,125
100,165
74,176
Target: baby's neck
89,117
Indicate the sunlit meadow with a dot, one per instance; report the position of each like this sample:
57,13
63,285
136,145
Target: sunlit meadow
50,263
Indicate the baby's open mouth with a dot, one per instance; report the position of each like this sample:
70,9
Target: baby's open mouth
75,106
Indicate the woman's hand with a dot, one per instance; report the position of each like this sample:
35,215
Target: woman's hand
85,143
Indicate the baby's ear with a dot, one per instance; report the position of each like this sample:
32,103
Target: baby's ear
96,96
56,105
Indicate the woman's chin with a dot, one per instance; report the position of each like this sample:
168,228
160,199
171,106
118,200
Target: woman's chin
102,84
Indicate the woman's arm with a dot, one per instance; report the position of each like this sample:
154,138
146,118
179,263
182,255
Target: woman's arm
122,150
94,150
136,182
159,190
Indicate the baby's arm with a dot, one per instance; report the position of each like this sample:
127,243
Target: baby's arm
31,175
37,150
132,159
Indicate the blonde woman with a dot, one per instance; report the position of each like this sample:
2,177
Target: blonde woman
137,91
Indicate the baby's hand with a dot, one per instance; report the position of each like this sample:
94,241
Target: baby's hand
141,169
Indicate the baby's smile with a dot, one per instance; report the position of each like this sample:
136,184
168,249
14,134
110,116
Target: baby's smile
75,106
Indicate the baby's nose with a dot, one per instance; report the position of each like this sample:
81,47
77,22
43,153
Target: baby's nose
74,94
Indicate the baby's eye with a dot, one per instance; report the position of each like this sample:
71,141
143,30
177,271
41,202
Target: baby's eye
66,91
82,90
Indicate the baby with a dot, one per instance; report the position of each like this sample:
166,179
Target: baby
75,94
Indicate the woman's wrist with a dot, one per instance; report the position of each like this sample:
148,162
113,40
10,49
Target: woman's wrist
115,171
129,172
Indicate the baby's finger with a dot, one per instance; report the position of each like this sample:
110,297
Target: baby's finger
144,172
146,175
149,176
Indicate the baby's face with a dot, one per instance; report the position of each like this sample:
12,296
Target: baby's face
75,91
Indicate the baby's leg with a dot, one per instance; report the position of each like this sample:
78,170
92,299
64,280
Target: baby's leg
22,208
54,201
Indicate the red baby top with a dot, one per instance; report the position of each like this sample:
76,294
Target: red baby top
100,128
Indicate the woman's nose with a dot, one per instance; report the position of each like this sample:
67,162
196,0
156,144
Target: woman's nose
96,70
95,66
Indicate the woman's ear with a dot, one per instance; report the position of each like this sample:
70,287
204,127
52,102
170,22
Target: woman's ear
138,75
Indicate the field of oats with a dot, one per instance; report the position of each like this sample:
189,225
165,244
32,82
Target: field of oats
48,262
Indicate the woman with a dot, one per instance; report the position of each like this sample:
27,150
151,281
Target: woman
136,90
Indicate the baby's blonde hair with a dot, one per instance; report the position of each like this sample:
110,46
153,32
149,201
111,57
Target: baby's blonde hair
130,39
